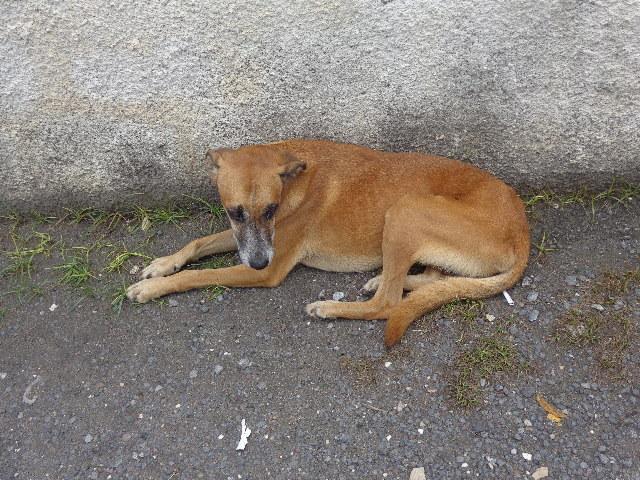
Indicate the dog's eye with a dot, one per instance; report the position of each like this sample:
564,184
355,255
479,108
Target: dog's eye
236,214
270,211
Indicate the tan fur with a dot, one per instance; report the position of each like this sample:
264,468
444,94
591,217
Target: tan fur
349,208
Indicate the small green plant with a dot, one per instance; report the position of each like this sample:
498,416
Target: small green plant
607,332
89,214
467,310
491,355
542,247
618,192
579,329
75,269
146,217
212,208
214,291
218,261
118,260
25,292
25,250
118,298
42,218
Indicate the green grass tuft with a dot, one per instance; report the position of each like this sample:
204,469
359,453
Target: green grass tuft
218,261
25,250
619,192
76,270
214,291
147,218
467,310
212,208
120,258
491,355
118,298
542,247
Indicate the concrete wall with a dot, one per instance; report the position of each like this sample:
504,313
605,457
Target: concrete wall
105,102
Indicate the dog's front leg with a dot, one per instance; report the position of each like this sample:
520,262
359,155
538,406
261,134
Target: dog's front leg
236,276
209,245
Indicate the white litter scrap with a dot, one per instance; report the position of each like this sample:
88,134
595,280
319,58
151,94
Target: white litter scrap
53,307
508,298
418,474
244,435
26,396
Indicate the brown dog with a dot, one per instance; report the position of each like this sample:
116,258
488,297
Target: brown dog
348,208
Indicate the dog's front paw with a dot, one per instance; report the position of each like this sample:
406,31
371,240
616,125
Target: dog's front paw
322,309
161,267
148,289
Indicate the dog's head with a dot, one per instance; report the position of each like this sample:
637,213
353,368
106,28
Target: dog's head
250,181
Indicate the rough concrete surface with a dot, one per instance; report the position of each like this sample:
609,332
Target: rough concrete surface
105,102
159,391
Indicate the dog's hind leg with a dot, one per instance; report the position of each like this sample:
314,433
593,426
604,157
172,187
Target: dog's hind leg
209,245
483,244
398,254
411,282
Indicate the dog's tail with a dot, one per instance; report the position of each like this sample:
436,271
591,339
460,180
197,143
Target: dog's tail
449,288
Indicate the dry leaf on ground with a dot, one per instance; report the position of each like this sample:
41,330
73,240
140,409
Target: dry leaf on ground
553,413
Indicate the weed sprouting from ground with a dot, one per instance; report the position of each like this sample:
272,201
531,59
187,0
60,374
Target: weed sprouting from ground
617,192
609,331
219,261
159,216
75,269
363,370
212,208
25,292
120,258
491,355
466,310
25,250
542,246
214,291
117,299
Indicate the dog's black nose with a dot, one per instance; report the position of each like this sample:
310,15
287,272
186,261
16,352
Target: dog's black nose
259,263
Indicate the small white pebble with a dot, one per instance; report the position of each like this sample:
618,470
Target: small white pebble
178,405
527,456
220,437
53,307
464,465
388,437
513,451
420,431
387,364
527,422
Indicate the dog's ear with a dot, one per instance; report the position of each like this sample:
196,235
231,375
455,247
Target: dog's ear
291,166
212,160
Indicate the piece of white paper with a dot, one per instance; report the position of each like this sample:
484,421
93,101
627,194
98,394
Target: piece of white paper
508,298
244,435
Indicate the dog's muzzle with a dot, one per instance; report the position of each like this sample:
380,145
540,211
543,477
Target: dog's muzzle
255,246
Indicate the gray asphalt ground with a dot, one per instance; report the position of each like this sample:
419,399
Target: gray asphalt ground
91,390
